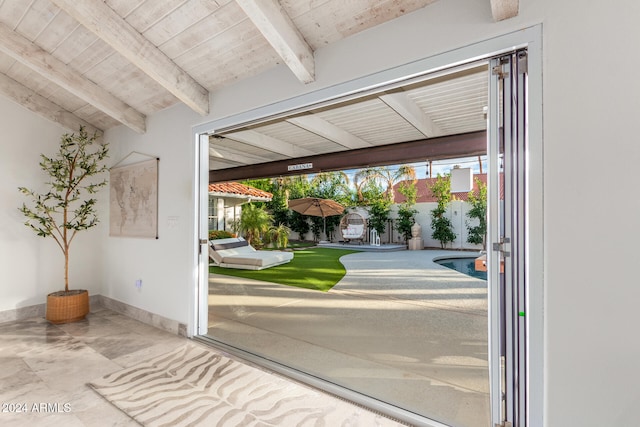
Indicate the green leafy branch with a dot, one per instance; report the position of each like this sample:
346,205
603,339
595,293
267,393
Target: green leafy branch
64,209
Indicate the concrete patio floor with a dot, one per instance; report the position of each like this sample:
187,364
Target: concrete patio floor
398,327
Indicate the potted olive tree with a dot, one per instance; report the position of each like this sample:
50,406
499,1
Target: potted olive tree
67,207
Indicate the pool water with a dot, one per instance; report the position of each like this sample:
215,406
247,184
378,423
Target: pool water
464,266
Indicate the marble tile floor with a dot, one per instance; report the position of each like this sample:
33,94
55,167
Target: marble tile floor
44,368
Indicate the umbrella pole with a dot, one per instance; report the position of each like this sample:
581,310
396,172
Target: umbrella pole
325,228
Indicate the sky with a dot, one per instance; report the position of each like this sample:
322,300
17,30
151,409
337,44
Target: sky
442,167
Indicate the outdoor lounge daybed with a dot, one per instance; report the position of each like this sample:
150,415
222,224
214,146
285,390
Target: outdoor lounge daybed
238,253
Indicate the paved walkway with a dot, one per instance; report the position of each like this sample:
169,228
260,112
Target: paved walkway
398,326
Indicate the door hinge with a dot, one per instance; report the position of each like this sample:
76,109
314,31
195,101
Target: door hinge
523,63
502,246
201,242
499,70
505,424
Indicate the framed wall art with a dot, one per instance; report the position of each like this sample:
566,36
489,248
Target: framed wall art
133,199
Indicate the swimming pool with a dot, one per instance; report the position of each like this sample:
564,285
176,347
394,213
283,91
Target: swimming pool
463,265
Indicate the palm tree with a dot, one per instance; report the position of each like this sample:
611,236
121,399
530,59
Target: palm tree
362,179
254,222
293,187
332,185
386,176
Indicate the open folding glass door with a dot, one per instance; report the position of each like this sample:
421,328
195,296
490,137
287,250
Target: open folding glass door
507,238
515,198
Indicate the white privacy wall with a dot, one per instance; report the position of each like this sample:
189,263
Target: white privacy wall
591,107
32,266
456,212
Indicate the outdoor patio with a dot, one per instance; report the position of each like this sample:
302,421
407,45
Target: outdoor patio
398,327
364,246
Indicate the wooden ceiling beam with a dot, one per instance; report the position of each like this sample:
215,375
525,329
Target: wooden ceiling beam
504,9
99,18
56,71
323,128
276,26
42,106
444,147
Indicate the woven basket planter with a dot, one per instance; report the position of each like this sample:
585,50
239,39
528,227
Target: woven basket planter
66,307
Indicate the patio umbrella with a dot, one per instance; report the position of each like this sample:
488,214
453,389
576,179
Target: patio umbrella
315,206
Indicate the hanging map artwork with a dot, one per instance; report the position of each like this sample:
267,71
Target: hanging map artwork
133,205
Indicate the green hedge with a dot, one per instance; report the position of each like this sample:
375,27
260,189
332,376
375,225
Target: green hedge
220,234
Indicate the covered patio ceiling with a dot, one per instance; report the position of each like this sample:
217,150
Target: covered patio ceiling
438,118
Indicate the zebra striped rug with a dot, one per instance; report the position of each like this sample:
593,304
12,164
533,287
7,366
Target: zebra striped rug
196,386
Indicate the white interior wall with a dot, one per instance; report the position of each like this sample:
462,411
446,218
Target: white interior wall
590,107
33,266
165,265
591,283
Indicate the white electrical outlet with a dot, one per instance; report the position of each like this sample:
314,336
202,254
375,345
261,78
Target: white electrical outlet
139,284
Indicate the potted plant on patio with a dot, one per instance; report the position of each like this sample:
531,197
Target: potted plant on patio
477,229
441,225
66,208
278,236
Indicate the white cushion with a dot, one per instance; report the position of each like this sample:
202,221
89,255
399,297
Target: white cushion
237,253
353,231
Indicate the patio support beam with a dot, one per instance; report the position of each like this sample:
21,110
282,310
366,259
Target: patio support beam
218,153
266,142
323,128
413,114
445,147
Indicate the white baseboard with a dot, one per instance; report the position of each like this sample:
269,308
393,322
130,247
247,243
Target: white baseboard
143,316
97,301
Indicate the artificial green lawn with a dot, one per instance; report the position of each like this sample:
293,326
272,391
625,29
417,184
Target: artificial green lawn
313,268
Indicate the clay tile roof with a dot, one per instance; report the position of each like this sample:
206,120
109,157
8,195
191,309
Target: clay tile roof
235,188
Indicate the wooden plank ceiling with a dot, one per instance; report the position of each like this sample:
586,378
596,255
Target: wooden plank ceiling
103,63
